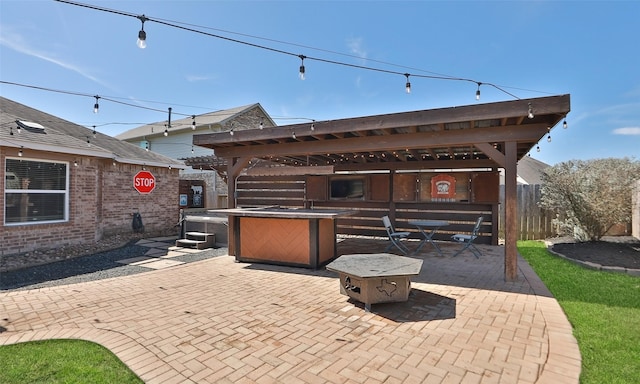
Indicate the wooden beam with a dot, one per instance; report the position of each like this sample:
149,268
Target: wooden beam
530,132
492,153
417,165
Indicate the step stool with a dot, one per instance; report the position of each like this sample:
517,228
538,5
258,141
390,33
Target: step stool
197,240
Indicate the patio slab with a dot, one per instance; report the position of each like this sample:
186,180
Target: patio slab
220,321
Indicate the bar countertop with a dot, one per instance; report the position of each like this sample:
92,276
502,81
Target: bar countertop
284,213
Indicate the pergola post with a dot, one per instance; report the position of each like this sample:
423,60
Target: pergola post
511,212
234,168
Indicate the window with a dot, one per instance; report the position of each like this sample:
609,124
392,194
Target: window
35,191
347,188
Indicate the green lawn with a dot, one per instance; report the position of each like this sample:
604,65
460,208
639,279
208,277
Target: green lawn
604,309
62,361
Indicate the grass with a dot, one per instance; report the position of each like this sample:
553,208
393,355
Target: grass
604,310
62,361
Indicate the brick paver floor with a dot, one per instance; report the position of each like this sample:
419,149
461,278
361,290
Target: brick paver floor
218,321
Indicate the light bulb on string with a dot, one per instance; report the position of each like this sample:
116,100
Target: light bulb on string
94,132
261,123
564,123
192,150
530,112
302,71
11,131
408,84
96,107
548,133
193,122
20,151
537,148
478,92
293,135
313,125
166,131
142,35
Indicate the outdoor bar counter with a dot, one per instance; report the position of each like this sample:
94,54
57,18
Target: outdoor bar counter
295,237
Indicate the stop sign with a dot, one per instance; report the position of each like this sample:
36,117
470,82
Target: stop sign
144,182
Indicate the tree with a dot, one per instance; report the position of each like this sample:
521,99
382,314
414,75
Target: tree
590,196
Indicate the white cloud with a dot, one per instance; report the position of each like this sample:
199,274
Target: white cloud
197,78
16,42
356,47
627,131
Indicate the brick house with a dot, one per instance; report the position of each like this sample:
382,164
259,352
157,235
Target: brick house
177,143
63,183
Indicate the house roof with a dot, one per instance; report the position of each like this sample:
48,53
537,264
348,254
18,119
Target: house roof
218,118
530,171
472,136
62,136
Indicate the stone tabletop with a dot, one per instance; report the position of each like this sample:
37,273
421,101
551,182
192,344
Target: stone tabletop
375,265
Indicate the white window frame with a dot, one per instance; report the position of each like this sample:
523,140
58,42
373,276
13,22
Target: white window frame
64,192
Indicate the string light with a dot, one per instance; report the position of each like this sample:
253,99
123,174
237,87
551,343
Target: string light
530,112
313,125
293,134
94,132
261,123
20,151
11,131
75,163
166,131
537,148
564,123
193,122
301,73
142,41
192,150
96,107
478,91
142,35
408,84
18,128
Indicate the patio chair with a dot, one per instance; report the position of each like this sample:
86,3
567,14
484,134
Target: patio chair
468,239
395,238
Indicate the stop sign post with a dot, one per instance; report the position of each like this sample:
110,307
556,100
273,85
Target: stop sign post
144,182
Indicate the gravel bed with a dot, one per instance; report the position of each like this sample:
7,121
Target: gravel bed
102,265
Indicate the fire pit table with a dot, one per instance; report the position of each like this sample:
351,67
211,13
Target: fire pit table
376,277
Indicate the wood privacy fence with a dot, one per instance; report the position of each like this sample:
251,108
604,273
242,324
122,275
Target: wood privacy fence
534,223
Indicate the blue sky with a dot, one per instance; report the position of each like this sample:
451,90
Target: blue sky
588,49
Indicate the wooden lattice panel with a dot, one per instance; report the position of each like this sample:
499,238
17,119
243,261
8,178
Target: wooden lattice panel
280,240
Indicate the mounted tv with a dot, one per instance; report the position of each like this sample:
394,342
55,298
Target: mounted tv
351,188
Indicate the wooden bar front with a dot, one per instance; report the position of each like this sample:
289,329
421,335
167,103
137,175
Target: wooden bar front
305,238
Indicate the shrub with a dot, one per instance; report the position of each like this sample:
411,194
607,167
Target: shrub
590,196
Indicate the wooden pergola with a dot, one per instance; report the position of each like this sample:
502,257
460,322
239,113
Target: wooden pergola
491,135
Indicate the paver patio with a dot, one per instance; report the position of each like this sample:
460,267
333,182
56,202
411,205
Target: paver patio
220,321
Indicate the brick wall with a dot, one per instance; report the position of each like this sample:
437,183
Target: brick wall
159,209
102,202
